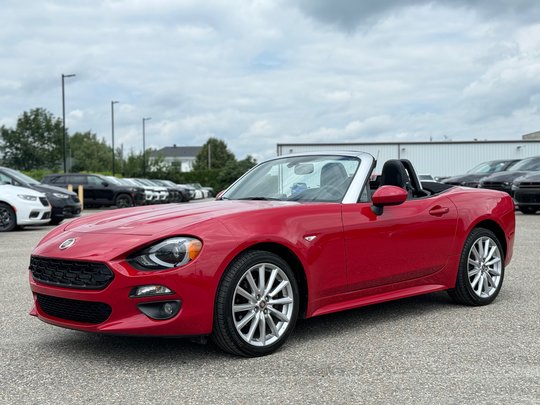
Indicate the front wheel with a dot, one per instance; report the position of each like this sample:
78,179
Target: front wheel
481,269
123,201
256,305
8,219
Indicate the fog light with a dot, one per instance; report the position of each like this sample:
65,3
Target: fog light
160,310
149,291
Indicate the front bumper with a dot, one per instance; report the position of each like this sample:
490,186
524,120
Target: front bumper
527,196
194,293
65,207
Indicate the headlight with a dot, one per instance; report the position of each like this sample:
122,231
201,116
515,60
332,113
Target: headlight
507,183
27,197
170,253
60,195
473,184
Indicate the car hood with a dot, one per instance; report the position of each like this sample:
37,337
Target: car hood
502,177
12,191
530,178
158,220
465,178
45,188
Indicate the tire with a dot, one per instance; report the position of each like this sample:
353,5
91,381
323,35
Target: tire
8,219
55,221
528,210
123,201
481,269
260,323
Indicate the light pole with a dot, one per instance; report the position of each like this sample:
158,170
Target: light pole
144,144
112,132
64,118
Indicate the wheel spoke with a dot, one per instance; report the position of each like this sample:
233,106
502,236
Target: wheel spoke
473,262
490,280
492,262
474,271
281,301
246,295
479,285
243,307
494,272
262,329
251,282
280,287
243,322
476,279
490,254
270,281
480,249
476,254
282,317
486,247
272,325
252,327
261,279
485,286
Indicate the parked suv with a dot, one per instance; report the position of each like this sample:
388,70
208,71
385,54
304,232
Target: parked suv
527,193
503,181
64,203
98,190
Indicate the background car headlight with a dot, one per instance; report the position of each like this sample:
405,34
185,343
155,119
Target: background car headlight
60,195
27,197
167,254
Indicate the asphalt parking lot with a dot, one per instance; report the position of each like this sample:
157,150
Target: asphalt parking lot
418,350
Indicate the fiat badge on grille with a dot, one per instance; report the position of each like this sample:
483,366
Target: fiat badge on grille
67,243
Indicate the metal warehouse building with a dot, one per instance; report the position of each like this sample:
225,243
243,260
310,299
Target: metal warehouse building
436,158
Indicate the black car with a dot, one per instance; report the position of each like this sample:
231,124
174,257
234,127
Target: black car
527,193
98,190
472,177
503,181
182,193
64,203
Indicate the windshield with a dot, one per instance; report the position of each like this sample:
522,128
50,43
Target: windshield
530,164
489,167
22,178
299,178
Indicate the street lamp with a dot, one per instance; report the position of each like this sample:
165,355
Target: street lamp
64,118
144,143
112,132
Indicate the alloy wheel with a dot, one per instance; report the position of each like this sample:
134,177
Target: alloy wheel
484,267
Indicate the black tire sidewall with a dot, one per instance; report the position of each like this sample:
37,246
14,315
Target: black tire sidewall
227,287
126,198
13,223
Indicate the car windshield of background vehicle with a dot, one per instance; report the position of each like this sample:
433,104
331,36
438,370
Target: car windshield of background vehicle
298,178
488,167
22,178
532,164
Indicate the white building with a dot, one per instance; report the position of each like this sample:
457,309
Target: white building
436,158
181,157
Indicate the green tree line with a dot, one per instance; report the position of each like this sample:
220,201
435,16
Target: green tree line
35,146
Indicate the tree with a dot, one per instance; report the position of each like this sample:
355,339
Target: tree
89,154
220,155
35,143
233,170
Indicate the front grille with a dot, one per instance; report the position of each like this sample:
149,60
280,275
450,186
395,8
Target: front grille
44,201
74,310
527,198
70,273
529,185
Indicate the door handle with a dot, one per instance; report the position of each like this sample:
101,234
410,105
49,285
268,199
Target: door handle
439,211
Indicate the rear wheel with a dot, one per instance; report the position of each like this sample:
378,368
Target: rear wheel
8,219
123,201
481,269
256,305
527,209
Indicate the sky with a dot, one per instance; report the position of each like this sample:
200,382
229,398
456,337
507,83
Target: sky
255,73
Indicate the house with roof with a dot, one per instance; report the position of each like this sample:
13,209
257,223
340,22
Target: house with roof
181,157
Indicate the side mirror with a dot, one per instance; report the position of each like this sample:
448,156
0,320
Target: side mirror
218,196
105,184
387,195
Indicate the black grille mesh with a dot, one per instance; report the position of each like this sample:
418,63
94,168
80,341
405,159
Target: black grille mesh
44,201
70,273
74,310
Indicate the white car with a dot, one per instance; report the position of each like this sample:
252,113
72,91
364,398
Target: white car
22,206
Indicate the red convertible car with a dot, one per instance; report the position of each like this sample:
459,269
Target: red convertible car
296,236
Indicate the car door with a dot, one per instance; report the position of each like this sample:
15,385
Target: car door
407,241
